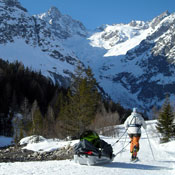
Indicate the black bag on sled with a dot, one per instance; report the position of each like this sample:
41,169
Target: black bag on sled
91,150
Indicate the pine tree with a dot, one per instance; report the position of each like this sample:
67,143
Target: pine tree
16,139
83,97
37,119
25,108
49,123
165,124
14,105
26,121
21,134
58,103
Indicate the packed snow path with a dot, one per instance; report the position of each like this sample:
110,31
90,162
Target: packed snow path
164,163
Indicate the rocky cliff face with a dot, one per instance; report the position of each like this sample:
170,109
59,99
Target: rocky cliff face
63,26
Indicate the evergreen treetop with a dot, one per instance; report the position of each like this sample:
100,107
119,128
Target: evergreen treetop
165,122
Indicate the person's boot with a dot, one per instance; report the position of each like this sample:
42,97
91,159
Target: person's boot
134,154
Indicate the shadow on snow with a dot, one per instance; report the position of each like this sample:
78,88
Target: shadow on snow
135,166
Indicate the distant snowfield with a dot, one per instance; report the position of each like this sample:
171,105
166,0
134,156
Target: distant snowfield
164,163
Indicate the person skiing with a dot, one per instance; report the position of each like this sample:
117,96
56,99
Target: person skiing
133,125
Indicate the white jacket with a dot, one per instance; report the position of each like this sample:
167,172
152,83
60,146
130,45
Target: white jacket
134,122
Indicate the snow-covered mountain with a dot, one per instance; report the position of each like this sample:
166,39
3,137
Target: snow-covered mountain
117,39
134,63
32,41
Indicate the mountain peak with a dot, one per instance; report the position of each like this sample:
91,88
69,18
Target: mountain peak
10,1
140,24
13,3
62,25
166,13
54,12
159,18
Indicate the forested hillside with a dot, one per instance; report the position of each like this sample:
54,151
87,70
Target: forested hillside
32,104
18,86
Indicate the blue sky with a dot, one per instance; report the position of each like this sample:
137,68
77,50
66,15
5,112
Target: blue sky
94,13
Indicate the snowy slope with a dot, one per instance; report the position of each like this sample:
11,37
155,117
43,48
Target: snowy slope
41,60
120,38
163,164
34,58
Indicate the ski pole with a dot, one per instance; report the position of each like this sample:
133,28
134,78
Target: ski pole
124,144
150,144
125,140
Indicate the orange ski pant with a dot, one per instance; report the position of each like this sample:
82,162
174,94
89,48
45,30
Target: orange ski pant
134,142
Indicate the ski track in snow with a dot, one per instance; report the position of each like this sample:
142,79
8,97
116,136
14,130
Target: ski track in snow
164,163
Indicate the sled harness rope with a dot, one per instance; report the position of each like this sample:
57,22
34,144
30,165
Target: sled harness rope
120,137
122,148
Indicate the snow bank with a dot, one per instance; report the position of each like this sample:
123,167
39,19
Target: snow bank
168,147
40,144
31,139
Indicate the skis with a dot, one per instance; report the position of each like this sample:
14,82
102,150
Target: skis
134,157
134,160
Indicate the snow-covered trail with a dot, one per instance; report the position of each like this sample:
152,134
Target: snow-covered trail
163,165
164,162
